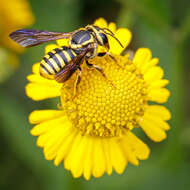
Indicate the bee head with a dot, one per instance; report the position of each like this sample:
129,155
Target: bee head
101,35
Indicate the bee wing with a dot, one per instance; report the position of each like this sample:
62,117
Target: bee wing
66,73
71,67
28,38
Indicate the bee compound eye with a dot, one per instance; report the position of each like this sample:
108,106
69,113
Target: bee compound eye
104,39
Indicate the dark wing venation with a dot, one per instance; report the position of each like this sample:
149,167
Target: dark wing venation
66,73
28,37
71,67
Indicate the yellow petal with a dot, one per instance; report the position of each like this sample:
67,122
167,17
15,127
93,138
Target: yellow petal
52,145
35,68
107,156
39,116
156,120
48,125
50,47
159,83
148,64
66,146
118,159
159,95
40,92
101,22
63,42
124,36
44,138
112,27
41,140
139,148
88,159
153,74
159,111
153,131
35,78
99,166
77,155
71,154
142,56
130,155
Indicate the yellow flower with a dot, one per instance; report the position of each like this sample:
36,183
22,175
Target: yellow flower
14,15
92,133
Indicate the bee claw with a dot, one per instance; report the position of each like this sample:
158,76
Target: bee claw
74,94
59,106
113,85
115,60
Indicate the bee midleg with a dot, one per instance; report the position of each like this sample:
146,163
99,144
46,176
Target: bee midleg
100,70
78,79
101,54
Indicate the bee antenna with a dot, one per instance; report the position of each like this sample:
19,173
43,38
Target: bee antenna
105,29
108,30
111,34
115,39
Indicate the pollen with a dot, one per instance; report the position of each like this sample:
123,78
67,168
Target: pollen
106,106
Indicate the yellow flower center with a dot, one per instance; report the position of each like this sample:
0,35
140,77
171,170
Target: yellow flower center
102,107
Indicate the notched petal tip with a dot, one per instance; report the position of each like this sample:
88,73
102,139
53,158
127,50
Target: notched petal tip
142,56
39,91
50,47
35,68
159,95
101,22
124,36
39,116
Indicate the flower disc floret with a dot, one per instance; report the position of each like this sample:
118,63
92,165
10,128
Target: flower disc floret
105,107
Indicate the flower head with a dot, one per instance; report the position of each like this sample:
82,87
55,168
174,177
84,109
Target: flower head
92,133
14,14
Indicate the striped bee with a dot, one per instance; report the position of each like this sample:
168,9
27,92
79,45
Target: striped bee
61,63
55,61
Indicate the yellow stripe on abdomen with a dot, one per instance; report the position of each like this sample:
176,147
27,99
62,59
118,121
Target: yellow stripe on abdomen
48,67
67,56
54,64
61,61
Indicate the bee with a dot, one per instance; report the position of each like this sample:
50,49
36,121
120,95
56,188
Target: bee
61,63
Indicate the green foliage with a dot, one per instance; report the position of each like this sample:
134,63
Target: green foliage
164,27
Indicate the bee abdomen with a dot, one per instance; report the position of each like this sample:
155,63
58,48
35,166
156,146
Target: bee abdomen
55,61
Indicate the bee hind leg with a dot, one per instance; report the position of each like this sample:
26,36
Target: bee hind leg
77,81
111,56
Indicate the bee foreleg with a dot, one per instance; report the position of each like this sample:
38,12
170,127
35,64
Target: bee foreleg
78,79
101,54
100,70
111,56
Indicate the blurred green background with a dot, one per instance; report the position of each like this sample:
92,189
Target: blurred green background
164,27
